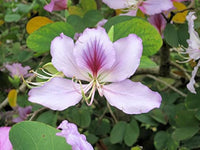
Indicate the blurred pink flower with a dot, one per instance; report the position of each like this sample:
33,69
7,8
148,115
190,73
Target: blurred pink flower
149,7
4,139
56,5
73,137
104,66
193,49
16,69
23,112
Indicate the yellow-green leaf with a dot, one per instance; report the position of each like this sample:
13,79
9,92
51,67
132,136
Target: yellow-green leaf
12,97
37,22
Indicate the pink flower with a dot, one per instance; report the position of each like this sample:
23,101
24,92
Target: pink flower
16,69
149,7
103,66
193,49
159,22
23,112
4,138
56,5
73,137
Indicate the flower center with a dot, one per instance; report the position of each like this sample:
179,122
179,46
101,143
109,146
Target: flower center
88,91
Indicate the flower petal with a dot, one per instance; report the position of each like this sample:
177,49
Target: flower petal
57,94
63,58
152,7
94,51
73,137
190,85
131,97
159,22
4,138
128,52
194,41
56,5
120,4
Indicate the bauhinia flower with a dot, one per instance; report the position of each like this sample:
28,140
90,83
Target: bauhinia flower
193,49
73,137
56,5
149,7
17,70
4,139
102,66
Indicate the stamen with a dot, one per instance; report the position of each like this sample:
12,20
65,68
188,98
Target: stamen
46,72
99,88
40,75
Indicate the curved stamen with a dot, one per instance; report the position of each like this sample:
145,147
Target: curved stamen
40,75
99,88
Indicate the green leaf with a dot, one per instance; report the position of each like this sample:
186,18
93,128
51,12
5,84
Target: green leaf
151,38
193,100
192,143
183,34
118,132
111,33
31,135
12,17
100,127
171,35
90,19
40,40
48,117
145,118
91,138
115,20
159,116
85,6
131,133
146,62
163,141
185,132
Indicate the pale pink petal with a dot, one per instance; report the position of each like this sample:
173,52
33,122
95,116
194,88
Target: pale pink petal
73,137
56,5
4,139
94,51
128,52
190,85
151,7
159,22
120,4
57,94
63,58
131,97
194,41
130,13
102,22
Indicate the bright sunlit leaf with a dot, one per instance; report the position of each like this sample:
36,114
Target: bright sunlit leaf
12,97
37,22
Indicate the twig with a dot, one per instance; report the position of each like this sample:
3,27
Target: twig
4,103
111,112
36,113
101,117
165,83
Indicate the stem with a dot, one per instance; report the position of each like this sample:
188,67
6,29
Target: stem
4,103
168,85
111,112
36,113
164,61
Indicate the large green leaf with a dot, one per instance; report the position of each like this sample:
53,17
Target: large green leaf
30,135
146,62
40,40
151,38
171,35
